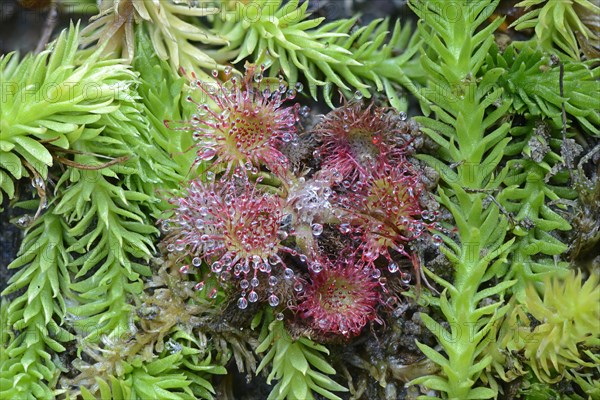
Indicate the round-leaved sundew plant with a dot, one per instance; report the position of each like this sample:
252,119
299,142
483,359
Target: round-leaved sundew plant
353,139
340,299
385,212
235,229
247,124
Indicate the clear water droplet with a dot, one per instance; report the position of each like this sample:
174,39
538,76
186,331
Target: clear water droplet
242,303
273,300
216,267
237,270
316,267
184,269
344,228
246,267
317,229
405,278
298,286
266,268
252,297
199,286
288,273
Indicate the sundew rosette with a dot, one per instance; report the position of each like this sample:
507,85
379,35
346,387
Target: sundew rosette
247,124
340,299
385,211
354,139
234,229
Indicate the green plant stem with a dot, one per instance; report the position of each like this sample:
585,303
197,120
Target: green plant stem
26,369
473,141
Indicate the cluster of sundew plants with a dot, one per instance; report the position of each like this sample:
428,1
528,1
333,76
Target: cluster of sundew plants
258,220
317,224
